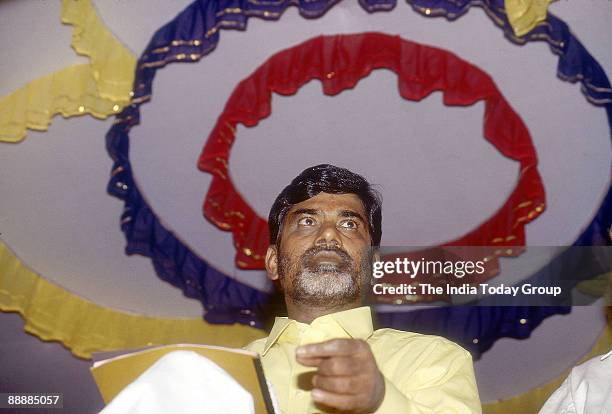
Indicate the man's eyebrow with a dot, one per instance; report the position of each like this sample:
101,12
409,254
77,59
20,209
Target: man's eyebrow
352,214
310,211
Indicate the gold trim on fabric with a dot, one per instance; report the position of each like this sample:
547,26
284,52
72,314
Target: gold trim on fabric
154,64
377,7
580,77
545,36
235,213
598,101
220,224
544,23
264,13
172,58
140,99
235,10
493,16
593,87
222,161
161,49
120,120
249,253
194,42
221,173
523,205
529,216
266,3
225,138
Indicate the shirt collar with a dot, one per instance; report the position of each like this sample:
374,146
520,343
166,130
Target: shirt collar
356,322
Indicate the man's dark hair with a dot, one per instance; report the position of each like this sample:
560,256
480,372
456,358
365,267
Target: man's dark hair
326,178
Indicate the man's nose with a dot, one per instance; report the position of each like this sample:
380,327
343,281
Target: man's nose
328,236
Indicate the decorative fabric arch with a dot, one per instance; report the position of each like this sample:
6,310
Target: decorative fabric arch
339,62
100,88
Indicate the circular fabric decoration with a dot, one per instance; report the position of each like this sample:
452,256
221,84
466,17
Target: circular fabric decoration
195,32
339,62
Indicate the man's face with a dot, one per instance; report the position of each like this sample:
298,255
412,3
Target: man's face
324,254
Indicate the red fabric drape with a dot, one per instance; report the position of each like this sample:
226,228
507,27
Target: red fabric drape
339,62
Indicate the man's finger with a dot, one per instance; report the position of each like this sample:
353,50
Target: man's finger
349,385
309,362
340,402
339,366
333,347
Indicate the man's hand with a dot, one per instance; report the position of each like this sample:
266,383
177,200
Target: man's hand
347,378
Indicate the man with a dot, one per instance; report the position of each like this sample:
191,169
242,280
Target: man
588,387
325,356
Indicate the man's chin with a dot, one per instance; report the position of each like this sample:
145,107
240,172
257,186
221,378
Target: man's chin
325,285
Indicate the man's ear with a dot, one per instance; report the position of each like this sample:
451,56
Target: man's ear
376,256
272,262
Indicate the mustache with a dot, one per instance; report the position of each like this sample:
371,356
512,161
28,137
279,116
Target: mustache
313,251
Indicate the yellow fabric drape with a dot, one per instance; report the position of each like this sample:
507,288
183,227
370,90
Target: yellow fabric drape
54,314
598,287
112,64
100,88
524,15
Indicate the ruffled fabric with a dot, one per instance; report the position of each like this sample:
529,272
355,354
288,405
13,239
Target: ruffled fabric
189,37
522,16
575,62
597,287
55,314
339,62
525,15
100,88
112,64
69,92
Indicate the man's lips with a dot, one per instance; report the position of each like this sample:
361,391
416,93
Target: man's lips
330,257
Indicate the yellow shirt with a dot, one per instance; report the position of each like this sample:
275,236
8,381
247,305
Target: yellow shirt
423,373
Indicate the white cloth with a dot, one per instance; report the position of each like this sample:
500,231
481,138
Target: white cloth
182,382
587,389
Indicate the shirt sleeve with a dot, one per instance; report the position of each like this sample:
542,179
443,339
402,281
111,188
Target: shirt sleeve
443,382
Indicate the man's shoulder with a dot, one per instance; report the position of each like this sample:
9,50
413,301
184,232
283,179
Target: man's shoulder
393,339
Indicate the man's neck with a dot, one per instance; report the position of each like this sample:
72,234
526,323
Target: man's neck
307,313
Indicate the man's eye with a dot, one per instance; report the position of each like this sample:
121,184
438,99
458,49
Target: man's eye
348,224
306,221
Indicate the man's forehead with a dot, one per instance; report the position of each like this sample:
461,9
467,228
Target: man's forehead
331,203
